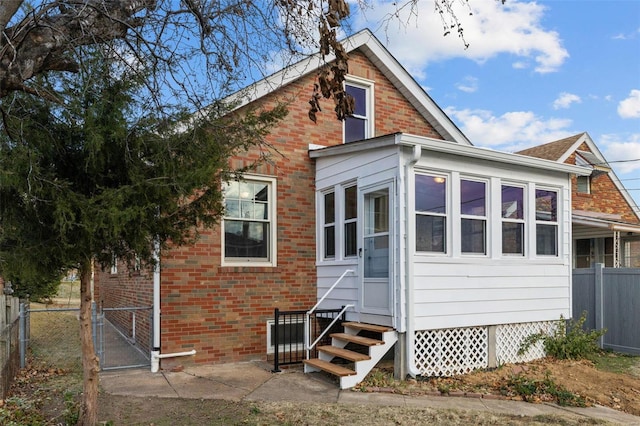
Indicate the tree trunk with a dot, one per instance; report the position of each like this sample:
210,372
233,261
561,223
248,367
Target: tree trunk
90,362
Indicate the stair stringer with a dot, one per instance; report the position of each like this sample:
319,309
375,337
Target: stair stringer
376,353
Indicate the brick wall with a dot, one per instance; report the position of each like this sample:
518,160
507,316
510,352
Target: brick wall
222,311
126,289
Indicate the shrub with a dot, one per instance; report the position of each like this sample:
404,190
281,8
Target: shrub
533,390
568,341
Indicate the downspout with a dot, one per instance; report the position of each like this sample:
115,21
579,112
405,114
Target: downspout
410,336
155,353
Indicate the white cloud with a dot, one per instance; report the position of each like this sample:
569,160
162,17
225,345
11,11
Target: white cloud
629,36
565,100
622,147
630,107
415,36
468,84
511,131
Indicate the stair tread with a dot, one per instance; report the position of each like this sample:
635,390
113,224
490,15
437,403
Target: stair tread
364,341
334,369
368,327
344,353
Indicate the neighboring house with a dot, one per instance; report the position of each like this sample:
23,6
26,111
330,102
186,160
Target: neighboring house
604,217
452,253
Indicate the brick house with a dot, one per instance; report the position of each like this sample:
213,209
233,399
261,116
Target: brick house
605,218
451,253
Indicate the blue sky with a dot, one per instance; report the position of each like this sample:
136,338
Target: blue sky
534,72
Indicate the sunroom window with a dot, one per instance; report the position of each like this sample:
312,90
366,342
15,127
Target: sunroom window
329,225
431,213
512,219
338,219
350,221
473,216
546,222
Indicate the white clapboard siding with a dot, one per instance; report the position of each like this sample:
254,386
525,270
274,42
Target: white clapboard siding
453,290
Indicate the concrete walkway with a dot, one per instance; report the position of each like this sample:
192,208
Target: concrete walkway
255,382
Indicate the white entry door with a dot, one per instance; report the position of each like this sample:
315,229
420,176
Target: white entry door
375,261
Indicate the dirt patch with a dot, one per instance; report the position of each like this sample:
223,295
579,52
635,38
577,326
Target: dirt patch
618,390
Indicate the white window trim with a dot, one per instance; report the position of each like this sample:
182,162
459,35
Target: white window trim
344,221
340,237
523,221
299,346
324,225
273,237
588,179
556,223
369,86
448,214
485,218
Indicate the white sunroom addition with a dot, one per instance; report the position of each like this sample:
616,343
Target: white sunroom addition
464,251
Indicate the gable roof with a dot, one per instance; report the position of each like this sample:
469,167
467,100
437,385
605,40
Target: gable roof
552,150
370,46
562,149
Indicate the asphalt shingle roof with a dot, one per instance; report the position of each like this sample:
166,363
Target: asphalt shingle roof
552,150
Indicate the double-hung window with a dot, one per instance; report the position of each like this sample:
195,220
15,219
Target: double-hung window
431,213
513,222
546,222
358,126
329,225
350,221
249,221
473,216
339,222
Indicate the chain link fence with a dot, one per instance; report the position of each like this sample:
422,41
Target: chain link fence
51,332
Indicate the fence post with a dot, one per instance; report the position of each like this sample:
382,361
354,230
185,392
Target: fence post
599,314
276,346
23,334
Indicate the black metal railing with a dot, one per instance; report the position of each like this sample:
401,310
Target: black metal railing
287,335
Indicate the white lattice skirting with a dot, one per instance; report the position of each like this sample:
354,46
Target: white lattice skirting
455,351
509,338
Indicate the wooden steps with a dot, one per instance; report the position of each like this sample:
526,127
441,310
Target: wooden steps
368,327
334,369
358,362
353,338
344,353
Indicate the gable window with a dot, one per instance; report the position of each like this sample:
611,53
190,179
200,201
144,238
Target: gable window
431,213
350,221
329,225
512,219
358,126
546,222
473,216
249,221
584,184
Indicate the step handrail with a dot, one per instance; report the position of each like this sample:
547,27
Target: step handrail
326,330
308,347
